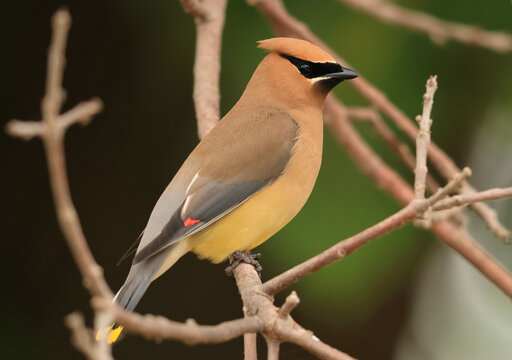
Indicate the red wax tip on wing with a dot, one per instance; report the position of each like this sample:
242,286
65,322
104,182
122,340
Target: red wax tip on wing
190,221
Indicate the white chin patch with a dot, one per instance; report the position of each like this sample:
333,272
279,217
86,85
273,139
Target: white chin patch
314,80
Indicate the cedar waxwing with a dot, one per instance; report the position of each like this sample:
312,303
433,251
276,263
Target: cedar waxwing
249,176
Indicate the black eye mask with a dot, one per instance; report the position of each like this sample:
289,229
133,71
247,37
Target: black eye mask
313,70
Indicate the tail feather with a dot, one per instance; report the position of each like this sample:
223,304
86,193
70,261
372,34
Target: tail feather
137,282
127,297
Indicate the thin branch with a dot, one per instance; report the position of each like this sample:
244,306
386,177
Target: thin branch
489,216
453,185
207,60
466,199
399,148
51,130
55,94
439,31
423,139
52,135
401,151
81,336
81,114
339,251
160,328
290,303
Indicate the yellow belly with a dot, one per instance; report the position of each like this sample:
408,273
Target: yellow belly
260,217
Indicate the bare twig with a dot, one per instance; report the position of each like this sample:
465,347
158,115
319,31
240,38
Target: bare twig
453,185
422,142
51,130
290,303
260,314
423,139
439,31
81,336
190,333
466,199
401,150
207,60
339,251
81,113
398,147
53,125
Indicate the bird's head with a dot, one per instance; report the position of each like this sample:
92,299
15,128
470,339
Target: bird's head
298,69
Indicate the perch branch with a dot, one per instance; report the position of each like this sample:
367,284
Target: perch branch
259,304
439,31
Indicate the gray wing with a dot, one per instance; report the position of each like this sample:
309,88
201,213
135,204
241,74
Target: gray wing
251,165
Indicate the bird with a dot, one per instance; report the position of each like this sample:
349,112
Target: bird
249,176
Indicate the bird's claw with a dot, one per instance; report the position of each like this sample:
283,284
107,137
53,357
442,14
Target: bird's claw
238,256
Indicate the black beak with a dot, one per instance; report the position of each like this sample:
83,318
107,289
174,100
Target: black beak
344,74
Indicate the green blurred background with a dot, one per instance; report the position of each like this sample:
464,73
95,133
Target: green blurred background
137,57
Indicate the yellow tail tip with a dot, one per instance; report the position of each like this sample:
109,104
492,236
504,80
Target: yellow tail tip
113,335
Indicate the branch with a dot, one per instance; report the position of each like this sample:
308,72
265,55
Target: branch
258,303
423,139
398,147
467,199
80,114
81,336
439,31
209,16
291,302
160,328
50,129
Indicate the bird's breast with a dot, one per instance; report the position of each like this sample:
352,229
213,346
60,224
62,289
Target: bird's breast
266,212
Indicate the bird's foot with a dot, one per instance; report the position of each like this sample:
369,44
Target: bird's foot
238,256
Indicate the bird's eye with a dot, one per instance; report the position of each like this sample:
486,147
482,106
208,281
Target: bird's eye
305,69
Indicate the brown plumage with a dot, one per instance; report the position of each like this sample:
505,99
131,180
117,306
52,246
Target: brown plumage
251,174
